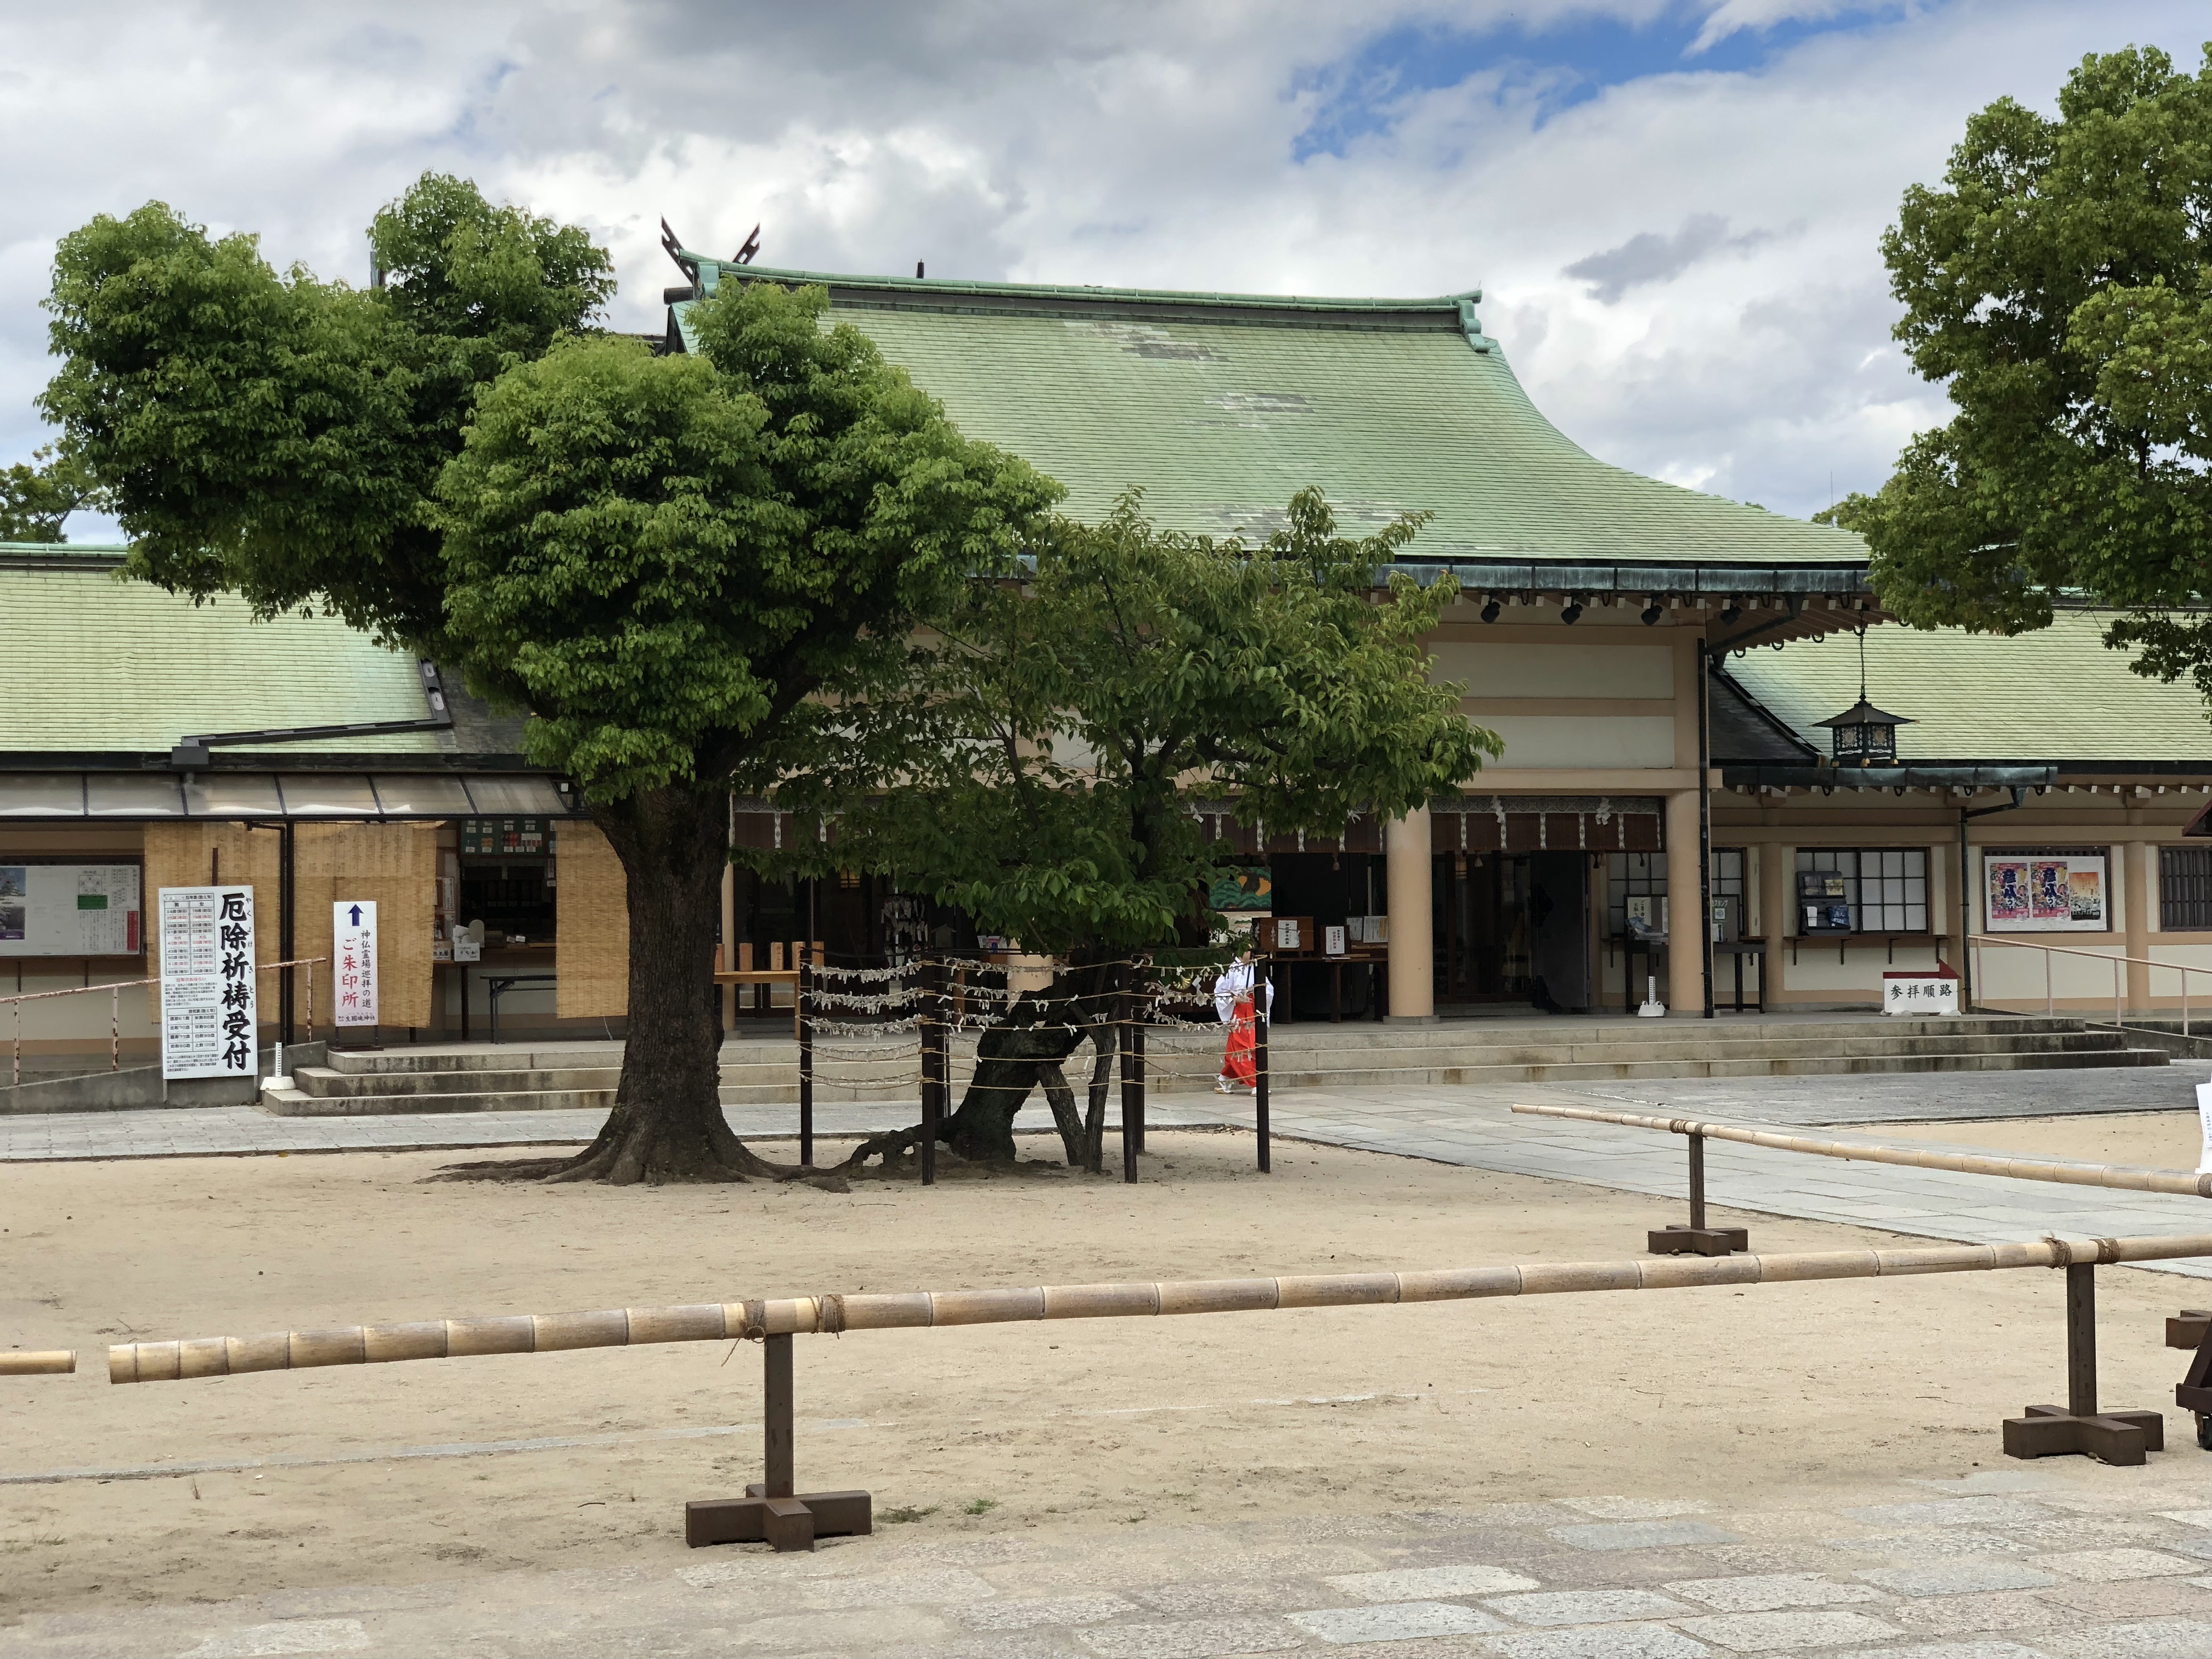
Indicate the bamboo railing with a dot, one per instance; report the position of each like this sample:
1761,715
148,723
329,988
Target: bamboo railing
53,1362
616,1327
2181,1181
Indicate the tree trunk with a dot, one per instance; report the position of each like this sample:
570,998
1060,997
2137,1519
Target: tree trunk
668,1123
1010,1060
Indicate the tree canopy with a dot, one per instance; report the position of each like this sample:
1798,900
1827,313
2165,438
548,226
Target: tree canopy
2059,285
670,559
280,436
1071,714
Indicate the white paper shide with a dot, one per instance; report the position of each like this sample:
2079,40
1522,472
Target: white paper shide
209,1008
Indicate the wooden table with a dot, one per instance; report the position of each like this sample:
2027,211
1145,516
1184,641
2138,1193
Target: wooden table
1741,948
1369,958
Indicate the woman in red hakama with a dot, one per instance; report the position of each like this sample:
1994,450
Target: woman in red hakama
1234,995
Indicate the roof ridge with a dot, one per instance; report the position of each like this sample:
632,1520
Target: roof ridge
936,285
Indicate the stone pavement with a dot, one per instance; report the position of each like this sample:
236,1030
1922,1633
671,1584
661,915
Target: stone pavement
2064,1560
1473,1125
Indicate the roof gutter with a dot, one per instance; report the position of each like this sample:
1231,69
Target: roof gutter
191,754
1832,778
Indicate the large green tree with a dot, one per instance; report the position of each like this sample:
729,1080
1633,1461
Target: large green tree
1070,716
675,564
2058,284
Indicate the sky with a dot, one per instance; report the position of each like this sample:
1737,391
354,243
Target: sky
1674,207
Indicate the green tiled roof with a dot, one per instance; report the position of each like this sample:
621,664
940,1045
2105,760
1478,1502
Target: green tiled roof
90,662
2055,695
1223,406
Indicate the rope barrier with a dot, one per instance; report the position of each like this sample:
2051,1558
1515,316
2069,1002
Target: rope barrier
617,1328
2179,1182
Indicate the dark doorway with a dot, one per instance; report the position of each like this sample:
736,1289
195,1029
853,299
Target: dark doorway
1559,930
1512,928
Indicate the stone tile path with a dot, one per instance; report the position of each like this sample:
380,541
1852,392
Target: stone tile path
2065,1560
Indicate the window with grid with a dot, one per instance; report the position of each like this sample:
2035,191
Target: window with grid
1645,875
1887,887
1631,875
2184,889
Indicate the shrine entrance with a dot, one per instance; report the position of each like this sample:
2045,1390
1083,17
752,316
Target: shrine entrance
1512,930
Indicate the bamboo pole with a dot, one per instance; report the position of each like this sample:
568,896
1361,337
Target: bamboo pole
55,1361
2181,1181
616,1327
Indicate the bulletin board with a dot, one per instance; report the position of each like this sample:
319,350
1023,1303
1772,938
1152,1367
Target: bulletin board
70,909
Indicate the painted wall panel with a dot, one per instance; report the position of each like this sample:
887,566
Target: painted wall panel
1583,741
1556,670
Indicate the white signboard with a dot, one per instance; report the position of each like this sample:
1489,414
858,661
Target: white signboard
1919,993
353,960
209,1009
2045,893
70,911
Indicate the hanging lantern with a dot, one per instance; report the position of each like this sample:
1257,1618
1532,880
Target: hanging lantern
1862,734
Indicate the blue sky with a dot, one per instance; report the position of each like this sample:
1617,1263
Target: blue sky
1563,59
1673,206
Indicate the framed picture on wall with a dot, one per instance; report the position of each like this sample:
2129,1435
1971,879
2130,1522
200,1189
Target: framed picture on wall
2046,892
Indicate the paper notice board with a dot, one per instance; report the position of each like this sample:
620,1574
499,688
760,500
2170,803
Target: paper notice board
209,1008
71,910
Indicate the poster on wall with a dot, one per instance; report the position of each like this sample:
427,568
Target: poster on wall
2045,892
209,1009
353,958
70,911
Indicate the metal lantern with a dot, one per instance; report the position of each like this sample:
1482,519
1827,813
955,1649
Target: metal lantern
1862,734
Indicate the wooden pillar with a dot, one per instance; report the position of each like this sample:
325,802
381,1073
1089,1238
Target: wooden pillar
1686,908
1778,913
2135,857
1407,866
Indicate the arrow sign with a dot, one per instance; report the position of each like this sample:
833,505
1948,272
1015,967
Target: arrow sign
353,962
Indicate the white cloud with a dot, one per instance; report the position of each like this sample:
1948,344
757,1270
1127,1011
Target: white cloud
1133,142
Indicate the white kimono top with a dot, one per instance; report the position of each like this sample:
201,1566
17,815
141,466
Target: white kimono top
1234,986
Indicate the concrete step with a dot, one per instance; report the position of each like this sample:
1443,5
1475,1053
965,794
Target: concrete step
516,1057
297,1102
325,1083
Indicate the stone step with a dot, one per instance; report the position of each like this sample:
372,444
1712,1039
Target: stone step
324,1083
1432,1056
1194,1082
297,1102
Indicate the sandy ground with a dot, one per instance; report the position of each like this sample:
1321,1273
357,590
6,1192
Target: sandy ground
2146,1140
1722,1393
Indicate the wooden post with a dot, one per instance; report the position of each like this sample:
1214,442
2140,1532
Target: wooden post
1697,1238
806,1069
1127,1027
2081,1338
775,1419
1262,982
1136,1052
932,1039
1697,1181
